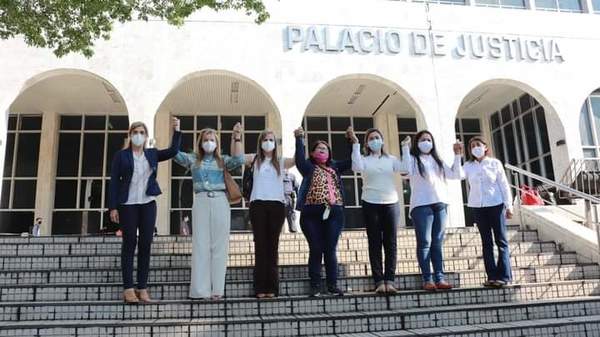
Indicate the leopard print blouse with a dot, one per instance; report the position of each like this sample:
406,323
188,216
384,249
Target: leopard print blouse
318,192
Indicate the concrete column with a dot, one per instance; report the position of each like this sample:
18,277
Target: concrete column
46,175
162,133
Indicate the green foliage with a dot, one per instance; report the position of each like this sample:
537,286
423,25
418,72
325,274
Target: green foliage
72,26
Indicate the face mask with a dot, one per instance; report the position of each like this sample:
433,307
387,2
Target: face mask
138,139
267,145
375,144
425,146
320,158
209,146
478,152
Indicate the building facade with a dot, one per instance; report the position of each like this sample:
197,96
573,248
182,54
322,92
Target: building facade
524,74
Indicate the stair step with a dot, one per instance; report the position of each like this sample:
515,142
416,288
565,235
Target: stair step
538,314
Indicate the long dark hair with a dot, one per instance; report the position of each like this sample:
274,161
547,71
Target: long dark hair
314,146
415,152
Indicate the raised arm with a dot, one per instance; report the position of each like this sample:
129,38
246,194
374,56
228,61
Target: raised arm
237,148
456,170
358,163
407,161
302,164
170,152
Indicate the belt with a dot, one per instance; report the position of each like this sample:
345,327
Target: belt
211,194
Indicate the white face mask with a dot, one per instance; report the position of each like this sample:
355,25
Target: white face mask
138,139
425,146
478,152
209,146
267,145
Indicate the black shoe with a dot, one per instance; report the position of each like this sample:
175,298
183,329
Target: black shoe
334,290
315,291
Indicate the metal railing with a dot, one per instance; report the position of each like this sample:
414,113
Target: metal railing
583,174
591,213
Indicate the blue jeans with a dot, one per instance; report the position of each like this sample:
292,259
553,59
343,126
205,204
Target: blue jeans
382,222
322,236
492,228
430,227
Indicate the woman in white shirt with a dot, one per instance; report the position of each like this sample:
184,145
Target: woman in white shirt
267,211
380,206
491,202
428,202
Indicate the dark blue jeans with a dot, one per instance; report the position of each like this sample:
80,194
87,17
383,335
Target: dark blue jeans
382,222
430,227
322,236
492,228
132,218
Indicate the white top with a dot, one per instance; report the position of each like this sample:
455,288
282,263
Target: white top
139,181
267,185
488,185
377,173
431,188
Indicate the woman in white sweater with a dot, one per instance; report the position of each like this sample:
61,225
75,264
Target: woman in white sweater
428,202
380,206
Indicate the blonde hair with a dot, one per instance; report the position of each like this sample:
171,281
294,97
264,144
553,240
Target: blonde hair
200,151
260,156
134,126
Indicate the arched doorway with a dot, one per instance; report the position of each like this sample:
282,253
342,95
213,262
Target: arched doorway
215,99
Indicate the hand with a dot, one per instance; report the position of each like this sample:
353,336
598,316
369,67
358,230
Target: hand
405,141
299,132
175,123
351,135
458,147
237,131
114,216
509,214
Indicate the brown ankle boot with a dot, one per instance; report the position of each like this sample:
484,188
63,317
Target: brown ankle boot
129,296
143,295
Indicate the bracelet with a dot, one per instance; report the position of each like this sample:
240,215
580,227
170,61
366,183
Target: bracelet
237,139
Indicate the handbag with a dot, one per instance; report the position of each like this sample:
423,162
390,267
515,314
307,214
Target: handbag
248,180
530,196
231,187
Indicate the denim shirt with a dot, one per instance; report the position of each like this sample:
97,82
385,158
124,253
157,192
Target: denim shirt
206,174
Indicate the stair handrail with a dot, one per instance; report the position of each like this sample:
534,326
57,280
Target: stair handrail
575,168
591,222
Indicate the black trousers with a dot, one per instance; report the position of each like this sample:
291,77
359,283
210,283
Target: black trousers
382,222
267,219
132,218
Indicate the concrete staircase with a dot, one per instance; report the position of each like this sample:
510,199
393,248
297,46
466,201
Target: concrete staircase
70,286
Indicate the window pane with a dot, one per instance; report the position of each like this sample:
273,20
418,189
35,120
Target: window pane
12,123
513,3
595,104
118,123
340,147
68,155
28,149
93,144
487,2
495,120
536,167
91,220
545,4
541,124
187,142
15,222
339,123
498,146
177,217
254,123
519,138
115,143
316,123
596,5
573,5
228,122
226,143
587,153
5,197
515,109
90,195
31,123
349,192
354,218
66,223
70,122
530,136
95,122
407,125
549,167
313,137
363,123
181,193
506,115
24,194
585,125
471,125
525,103
240,219
9,153
186,122
250,142
203,122
510,144
65,195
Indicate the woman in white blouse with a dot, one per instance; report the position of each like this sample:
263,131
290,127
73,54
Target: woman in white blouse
428,202
267,211
380,206
491,202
